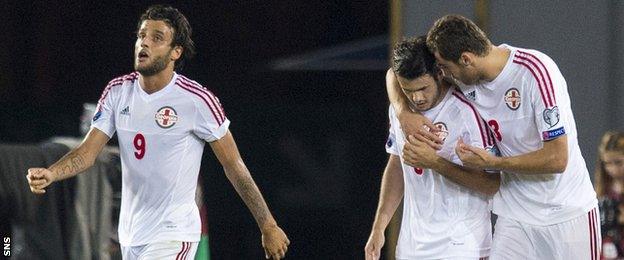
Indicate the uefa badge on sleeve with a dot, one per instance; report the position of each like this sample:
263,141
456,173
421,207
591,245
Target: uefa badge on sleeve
551,116
166,117
512,98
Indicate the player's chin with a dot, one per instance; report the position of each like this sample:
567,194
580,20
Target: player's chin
140,66
423,107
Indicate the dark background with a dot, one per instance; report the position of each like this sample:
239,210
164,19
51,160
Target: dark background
312,140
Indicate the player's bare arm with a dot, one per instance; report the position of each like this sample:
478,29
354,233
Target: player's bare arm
389,198
552,158
412,123
418,154
74,162
274,240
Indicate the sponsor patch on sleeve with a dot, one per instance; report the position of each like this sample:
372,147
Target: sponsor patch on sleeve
552,134
389,143
97,116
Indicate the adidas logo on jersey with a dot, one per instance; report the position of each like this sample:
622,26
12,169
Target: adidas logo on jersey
471,95
126,111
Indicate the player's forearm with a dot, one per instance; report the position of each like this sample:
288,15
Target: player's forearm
477,180
246,188
389,197
71,164
395,95
552,158
536,162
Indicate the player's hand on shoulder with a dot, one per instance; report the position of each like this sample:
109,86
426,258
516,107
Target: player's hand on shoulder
420,127
39,179
376,240
274,242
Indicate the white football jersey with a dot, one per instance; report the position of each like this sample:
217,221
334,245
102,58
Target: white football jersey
442,219
161,141
526,105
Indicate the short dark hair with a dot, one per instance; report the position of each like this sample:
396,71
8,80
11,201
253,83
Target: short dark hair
412,59
452,35
181,29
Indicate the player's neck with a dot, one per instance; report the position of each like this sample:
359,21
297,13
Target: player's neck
494,62
444,88
154,83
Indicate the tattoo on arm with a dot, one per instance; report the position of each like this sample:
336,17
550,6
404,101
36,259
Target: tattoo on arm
70,165
249,192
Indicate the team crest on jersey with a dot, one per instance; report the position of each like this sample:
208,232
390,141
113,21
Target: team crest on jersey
166,117
551,116
442,130
512,98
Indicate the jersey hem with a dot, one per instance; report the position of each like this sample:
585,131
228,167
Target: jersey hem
185,237
583,211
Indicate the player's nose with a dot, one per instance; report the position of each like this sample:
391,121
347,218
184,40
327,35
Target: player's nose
417,97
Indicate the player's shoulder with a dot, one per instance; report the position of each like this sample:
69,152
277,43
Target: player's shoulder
201,95
121,80
192,88
115,86
460,103
532,59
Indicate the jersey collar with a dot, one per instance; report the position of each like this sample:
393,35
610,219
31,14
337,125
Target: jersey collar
149,97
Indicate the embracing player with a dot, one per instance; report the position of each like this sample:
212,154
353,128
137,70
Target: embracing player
546,206
163,120
446,210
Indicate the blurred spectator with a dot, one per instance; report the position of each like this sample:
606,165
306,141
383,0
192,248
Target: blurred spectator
609,182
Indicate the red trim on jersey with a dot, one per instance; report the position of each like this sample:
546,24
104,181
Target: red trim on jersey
210,105
181,251
490,137
474,111
591,238
592,234
113,83
188,249
211,95
596,234
540,84
491,133
214,102
551,87
546,88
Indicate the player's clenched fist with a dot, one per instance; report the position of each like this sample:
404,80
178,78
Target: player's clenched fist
275,242
38,179
374,245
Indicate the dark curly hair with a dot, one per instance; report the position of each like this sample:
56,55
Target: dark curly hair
181,29
411,59
452,35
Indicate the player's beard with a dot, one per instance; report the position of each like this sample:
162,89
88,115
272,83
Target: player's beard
158,64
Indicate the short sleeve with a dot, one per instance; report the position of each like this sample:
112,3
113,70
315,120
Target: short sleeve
210,121
391,144
546,85
104,117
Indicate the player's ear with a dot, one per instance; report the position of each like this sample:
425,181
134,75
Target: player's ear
177,52
439,74
466,59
